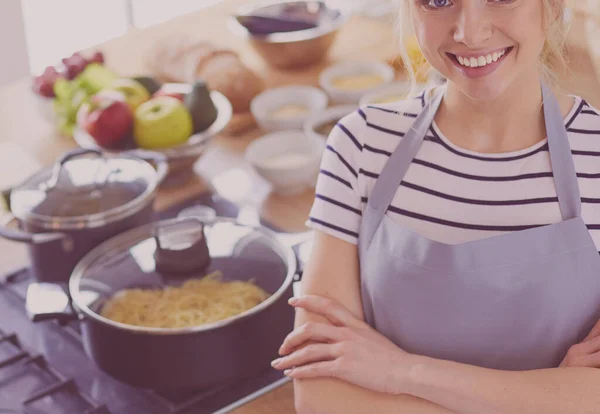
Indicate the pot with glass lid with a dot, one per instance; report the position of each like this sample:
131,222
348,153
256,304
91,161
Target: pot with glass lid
87,197
180,303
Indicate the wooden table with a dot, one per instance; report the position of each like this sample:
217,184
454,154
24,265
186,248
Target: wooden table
223,164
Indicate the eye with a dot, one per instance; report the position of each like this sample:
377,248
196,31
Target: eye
436,4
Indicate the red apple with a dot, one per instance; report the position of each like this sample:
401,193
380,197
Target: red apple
107,118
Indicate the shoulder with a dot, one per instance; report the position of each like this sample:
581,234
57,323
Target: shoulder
584,119
377,123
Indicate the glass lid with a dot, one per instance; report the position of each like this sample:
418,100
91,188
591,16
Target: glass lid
80,186
183,275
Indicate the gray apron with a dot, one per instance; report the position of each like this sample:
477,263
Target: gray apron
515,301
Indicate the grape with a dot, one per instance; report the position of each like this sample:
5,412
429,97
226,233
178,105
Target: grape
74,65
43,87
97,57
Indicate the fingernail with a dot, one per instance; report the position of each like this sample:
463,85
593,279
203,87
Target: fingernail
287,372
275,362
293,301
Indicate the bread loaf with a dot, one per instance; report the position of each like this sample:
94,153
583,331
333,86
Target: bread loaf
184,59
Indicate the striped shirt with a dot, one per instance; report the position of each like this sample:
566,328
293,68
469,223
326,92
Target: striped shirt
450,194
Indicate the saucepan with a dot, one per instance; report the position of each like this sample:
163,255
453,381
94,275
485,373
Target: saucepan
88,196
148,320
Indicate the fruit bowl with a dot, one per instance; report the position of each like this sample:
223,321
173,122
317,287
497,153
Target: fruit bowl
181,158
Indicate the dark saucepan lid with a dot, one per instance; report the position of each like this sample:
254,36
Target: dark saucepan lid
80,191
171,252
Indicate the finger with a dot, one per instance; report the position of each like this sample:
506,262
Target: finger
588,347
590,361
318,369
311,331
594,332
307,355
336,313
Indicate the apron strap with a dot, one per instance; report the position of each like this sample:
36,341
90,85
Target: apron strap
394,170
563,166
561,160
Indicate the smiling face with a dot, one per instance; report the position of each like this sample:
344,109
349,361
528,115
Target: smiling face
483,47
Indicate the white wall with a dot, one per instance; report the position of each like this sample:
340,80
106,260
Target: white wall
14,61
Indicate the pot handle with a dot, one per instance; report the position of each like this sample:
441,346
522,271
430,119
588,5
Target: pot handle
49,301
26,237
160,160
300,243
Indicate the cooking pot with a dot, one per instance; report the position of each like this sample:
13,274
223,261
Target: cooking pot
87,197
169,253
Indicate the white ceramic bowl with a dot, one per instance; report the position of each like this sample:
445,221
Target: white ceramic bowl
181,157
289,160
330,115
264,105
386,94
353,96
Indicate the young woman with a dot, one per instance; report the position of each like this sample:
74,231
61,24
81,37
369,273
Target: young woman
455,264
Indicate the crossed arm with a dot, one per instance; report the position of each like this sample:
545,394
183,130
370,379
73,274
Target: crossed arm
341,365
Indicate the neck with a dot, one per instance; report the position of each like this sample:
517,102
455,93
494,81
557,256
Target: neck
512,121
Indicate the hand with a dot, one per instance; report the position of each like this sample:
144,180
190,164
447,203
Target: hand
347,349
586,353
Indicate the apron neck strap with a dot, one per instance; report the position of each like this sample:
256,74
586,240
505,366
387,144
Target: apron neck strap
394,170
561,160
563,167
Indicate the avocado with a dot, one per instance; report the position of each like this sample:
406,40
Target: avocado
200,105
151,84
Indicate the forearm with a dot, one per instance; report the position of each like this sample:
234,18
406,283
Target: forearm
330,396
468,389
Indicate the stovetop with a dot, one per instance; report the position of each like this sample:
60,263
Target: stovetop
44,369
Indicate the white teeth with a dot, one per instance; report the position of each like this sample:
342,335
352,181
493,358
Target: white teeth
480,61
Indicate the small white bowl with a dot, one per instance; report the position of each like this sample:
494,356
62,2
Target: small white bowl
264,105
387,94
346,96
331,115
289,161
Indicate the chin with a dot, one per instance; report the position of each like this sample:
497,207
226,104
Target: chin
481,90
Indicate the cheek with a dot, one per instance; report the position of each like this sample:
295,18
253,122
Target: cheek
431,38
525,27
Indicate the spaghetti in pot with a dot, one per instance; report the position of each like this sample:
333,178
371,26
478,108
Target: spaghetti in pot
196,302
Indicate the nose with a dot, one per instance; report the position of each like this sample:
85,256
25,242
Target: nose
473,27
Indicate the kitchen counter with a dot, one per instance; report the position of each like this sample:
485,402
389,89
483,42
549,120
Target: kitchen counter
362,38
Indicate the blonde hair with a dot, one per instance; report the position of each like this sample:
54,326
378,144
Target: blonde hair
553,58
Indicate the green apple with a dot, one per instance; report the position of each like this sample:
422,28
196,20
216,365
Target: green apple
135,93
162,122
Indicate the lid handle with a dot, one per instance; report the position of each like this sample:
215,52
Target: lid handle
76,153
181,246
